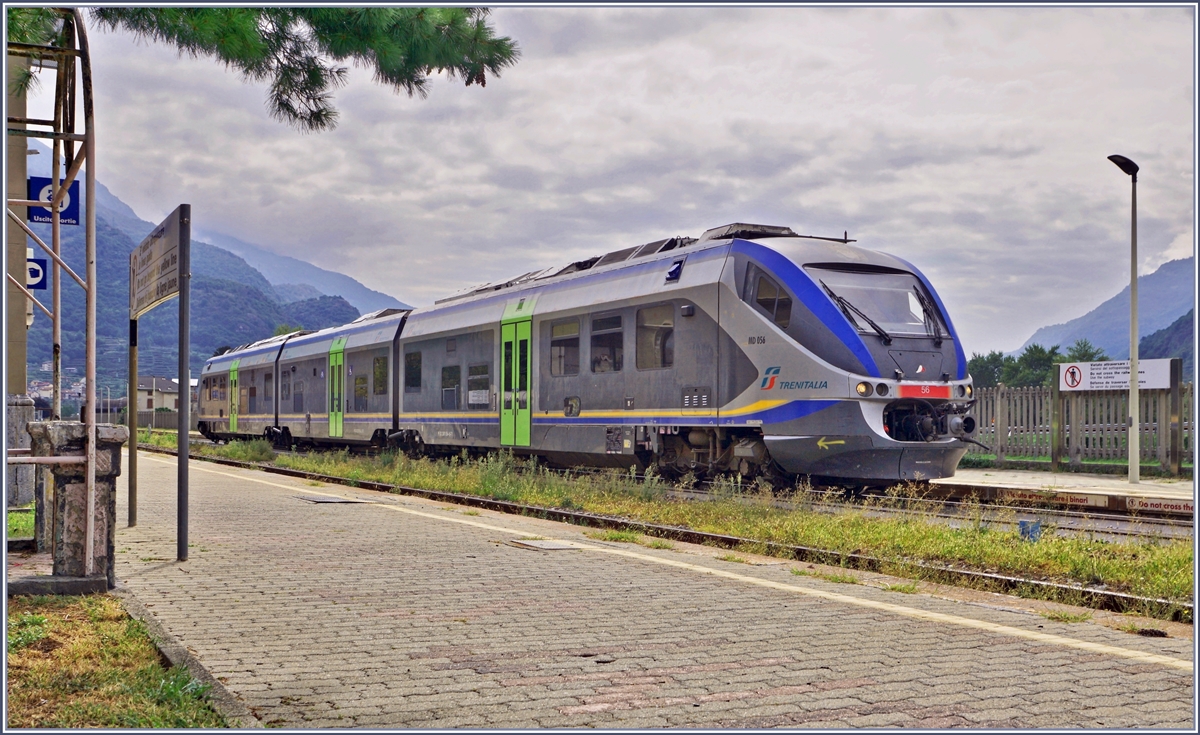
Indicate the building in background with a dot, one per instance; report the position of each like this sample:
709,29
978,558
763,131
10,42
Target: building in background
154,393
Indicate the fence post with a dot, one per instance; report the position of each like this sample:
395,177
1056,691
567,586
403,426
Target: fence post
1055,424
1001,421
1074,429
1175,440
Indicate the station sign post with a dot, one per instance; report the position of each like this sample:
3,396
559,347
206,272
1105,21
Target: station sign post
159,270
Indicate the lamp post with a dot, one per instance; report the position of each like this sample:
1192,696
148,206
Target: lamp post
1135,450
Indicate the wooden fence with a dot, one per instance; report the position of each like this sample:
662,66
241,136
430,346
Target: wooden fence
1017,422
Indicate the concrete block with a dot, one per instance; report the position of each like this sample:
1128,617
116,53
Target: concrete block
69,544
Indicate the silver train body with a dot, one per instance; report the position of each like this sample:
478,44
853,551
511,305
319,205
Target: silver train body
749,350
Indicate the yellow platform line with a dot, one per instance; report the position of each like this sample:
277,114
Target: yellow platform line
903,610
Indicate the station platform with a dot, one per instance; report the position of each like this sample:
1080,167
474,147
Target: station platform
1152,495
313,605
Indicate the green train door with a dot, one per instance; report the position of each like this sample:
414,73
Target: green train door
233,395
515,355
336,386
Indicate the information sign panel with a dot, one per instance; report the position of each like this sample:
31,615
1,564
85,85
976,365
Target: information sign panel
1113,375
154,267
35,274
40,190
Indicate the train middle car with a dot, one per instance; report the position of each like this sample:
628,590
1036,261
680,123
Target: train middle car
750,349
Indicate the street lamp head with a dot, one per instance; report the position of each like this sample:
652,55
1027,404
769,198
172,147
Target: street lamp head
1125,164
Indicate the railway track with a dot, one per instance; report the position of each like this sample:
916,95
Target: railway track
1096,597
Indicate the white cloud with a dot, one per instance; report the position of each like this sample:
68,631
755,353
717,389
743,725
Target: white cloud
970,141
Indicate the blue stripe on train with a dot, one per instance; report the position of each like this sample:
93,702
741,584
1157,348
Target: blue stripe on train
814,297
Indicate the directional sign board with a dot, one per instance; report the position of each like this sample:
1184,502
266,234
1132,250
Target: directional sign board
36,274
68,209
1113,375
154,267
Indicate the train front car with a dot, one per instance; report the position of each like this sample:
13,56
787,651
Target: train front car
861,378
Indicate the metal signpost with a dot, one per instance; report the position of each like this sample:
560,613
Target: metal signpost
55,200
159,270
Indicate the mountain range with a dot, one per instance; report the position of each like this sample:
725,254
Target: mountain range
232,303
1163,297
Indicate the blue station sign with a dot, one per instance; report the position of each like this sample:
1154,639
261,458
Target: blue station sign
40,190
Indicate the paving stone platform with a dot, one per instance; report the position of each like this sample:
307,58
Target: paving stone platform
408,613
1169,496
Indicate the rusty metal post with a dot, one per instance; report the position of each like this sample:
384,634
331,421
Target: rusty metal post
89,418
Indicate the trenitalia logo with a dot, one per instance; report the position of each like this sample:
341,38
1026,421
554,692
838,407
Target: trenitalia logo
768,381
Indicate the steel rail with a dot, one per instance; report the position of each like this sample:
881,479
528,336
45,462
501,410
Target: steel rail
1092,596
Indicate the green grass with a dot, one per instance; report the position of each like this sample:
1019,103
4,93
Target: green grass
907,588
1153,568
77,662
732,558
837,577
1062,616
20,525
258,450
626,537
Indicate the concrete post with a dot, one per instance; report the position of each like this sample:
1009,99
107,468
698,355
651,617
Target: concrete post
67,439
19,478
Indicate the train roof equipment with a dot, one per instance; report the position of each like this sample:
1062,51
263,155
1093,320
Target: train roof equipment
738,230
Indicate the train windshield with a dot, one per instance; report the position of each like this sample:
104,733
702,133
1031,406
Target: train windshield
889,303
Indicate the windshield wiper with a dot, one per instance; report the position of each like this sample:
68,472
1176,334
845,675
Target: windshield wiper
848,307
930,316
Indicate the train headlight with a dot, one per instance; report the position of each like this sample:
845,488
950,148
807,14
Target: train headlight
865,389
881,389
970,391
960,391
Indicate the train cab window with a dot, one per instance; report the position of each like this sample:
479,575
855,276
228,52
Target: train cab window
379,373
268,383
253,398
412,372
564,348
285,385
478,387
360,393
298,397
764,294
608,345
656,337
451,379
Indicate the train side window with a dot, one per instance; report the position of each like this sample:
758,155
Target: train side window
360,393
379,373
298,397
285,385
767,296
451,379
412,372
608,345
564,348
268,384
655,337
479,387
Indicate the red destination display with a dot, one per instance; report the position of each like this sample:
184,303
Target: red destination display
924,391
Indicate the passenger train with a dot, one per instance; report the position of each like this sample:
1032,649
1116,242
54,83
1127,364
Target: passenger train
749,350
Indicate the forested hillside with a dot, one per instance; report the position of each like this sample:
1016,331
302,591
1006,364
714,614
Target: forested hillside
1177,340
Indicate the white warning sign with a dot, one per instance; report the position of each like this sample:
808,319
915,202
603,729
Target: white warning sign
1113,375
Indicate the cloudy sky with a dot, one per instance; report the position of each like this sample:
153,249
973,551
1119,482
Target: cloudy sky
971,142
